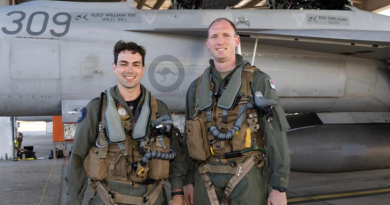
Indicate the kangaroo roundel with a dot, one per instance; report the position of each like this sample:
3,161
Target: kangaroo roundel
166,73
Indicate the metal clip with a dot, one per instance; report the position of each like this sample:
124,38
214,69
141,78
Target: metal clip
253,115
160,140
101,127
270,125
239,171
100,146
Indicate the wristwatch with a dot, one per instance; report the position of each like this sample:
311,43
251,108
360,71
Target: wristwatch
280,189
177,193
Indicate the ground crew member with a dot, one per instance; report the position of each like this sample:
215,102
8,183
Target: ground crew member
123,142
18,145
236,138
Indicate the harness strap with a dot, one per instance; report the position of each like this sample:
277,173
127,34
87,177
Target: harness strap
221,169
210,189
102,141
239,172
110,197
208,119
105,194
196,107
224,119
154,107
243,170
153,195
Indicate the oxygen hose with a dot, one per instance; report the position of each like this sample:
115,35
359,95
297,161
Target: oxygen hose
158,155
237,125
259,105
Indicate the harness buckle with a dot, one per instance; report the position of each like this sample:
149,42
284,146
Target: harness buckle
146,199
239,171
101,127
112,196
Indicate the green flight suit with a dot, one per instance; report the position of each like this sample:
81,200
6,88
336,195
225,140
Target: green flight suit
85,138
256,186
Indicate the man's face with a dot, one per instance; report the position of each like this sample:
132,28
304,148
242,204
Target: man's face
222,41
129,69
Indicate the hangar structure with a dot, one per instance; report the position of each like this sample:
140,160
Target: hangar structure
367,5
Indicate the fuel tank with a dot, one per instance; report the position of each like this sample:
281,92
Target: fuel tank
339,148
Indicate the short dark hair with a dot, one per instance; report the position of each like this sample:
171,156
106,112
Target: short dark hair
223,19
129,46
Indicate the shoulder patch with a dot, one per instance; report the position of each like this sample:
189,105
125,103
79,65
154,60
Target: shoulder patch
271,83
83,113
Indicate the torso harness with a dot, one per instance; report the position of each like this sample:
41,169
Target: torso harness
129,151
226,128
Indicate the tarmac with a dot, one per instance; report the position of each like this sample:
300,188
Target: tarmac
41,182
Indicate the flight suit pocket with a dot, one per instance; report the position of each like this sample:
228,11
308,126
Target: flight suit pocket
252,188
280,116
95,167
197,142
159,168
117,165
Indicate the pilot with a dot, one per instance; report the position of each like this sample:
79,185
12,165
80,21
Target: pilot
124,143
238,149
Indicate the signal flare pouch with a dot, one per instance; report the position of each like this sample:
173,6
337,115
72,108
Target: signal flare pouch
136,166
197,141
159,168
117,163
238,141
220,147
95,167
141,171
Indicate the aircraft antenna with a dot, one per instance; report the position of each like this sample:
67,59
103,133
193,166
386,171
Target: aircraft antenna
254,51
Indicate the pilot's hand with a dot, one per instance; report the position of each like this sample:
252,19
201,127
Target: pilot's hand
189,194
277,198
177,200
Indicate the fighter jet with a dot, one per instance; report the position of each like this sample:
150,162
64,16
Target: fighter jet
333,64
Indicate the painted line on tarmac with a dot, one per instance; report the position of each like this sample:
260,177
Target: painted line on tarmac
342,195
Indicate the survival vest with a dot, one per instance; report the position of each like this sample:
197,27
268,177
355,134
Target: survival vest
244,141
222,128
144,160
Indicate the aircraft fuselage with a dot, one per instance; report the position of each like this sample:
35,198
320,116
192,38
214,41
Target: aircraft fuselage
54,51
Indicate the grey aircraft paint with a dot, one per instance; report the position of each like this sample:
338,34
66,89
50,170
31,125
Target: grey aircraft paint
321,61
51,51
339,148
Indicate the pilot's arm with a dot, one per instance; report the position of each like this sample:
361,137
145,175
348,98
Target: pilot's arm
85,138
274,132
177,167
189,180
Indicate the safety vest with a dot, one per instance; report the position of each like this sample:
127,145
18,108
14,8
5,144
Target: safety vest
127,162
